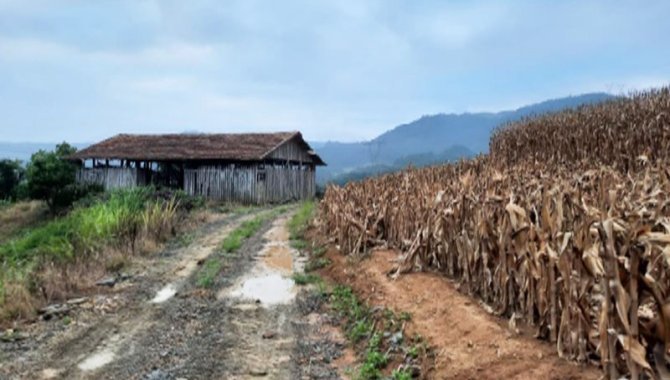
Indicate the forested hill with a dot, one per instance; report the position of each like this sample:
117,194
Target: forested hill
429,137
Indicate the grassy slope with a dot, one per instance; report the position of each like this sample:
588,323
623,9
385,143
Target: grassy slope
124,217
16,217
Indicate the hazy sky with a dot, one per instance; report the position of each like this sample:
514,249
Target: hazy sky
344,70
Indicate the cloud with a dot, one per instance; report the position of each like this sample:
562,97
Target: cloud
344,70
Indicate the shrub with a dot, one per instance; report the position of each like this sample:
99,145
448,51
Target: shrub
11,173
51,178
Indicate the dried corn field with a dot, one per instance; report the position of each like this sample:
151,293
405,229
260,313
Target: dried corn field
565,226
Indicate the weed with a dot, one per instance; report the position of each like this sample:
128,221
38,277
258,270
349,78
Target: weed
317,263
401,374
355,313
305,278
298,244
116,262
318,251
208,273
413,351
67,320
184,240
374,360
380,331
359,330
234,240
124,219
298,224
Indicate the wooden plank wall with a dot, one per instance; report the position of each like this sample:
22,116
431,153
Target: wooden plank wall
243,183
112,178
291,151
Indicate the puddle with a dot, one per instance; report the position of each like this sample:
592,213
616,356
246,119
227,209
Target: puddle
165,294
96,361
269,281
278,257
270,289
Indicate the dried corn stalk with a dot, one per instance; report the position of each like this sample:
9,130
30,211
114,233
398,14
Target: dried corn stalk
566,223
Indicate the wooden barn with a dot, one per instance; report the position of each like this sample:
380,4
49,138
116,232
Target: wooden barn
247,167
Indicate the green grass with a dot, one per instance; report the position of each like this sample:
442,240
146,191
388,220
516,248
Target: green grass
374,334
317,263
184,240
209,271
235,239
231,244
81,231
121,216
401,374
355,313
298,224
374,361
247,229
306,278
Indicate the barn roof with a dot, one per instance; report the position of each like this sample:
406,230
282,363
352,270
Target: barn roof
190,147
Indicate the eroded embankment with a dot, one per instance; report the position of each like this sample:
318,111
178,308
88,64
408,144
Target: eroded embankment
469,343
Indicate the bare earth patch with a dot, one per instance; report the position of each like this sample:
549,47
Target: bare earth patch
469,342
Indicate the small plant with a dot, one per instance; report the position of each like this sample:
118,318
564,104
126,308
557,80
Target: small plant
184,240
298,244
67,320
413,351
374,360
401,374
208,273
317,263
305,278
318,251
300,220
235,239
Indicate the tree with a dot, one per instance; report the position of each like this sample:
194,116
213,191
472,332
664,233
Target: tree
49,175
11,173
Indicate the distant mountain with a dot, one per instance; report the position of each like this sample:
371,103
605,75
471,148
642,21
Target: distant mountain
425,139
23,151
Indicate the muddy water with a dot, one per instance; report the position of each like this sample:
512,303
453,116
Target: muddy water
278,257
269,281
165,293
102,357
269,289
96,361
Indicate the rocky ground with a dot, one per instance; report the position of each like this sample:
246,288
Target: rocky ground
156,322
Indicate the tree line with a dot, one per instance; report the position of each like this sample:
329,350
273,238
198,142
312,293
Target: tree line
48,177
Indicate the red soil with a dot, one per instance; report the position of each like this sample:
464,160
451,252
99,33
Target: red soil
469,342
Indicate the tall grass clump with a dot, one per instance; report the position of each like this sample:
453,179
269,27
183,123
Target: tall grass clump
123,220
299,222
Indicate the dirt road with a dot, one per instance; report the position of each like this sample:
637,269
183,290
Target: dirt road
252,321
159,324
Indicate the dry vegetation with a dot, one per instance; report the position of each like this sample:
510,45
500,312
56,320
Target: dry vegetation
565,225
18,216
67,255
